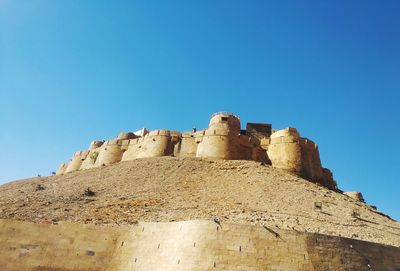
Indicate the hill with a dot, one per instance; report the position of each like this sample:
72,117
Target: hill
175,189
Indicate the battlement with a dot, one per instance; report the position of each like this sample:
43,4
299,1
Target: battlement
223,139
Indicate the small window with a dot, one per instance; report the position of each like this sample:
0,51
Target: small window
224,118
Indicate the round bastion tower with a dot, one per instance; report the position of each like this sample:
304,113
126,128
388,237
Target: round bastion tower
220,137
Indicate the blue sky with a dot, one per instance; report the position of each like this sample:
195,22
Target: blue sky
74,71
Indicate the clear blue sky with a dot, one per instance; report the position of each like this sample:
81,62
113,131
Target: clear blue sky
74,71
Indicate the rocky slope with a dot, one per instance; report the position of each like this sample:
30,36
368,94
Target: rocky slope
173,189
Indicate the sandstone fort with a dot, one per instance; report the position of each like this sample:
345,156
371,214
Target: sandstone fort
223,139
222,198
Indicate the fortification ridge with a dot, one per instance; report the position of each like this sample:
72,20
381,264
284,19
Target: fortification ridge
223,139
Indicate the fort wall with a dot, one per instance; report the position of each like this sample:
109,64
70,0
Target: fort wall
223,139
216,143
328,180
129,135
187,145
109,153
284,150
185,245
90,159
355,195
95,144
154,144
287,150
76,161
310,161
61,169
94,150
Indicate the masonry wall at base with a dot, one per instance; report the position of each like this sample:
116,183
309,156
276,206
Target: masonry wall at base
186,245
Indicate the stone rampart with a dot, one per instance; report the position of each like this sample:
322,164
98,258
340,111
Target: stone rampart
109,153
90,160
310,160
154,144
61,169
129,135
185,245
95,144
287,150
284,150
186,146
223,139
76,161
355,195
94,150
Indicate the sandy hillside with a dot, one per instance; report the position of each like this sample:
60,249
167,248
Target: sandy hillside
172,189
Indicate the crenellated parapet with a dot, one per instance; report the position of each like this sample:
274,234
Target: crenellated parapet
222,139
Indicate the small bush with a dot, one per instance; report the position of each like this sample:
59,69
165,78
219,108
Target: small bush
94,156
89,193
40,187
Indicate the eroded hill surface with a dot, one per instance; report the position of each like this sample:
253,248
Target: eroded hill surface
174,189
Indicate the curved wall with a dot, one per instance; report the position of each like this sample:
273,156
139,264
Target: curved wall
216,143
61,169
225,122
94,150
284,150
129,135
95,144
185,245
221,138
154,144
289,151
76,161
109,153
91,158
133,149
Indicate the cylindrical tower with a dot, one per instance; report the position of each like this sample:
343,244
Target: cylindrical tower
225,121
220,138
284,150
109,153
91,158
76,161
156,143
95,144
61,169
129,135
